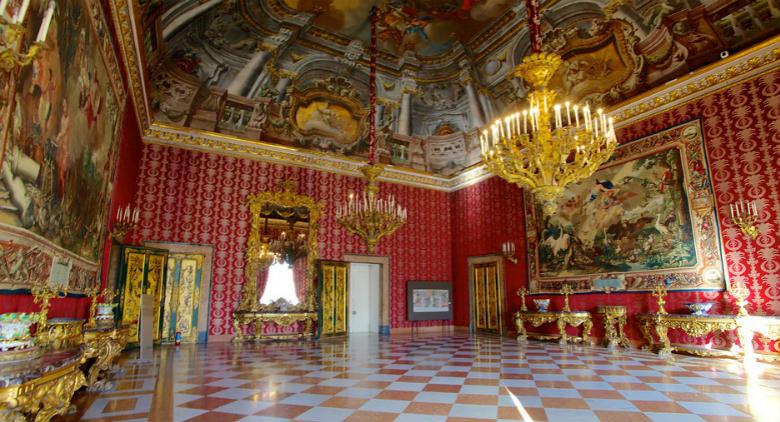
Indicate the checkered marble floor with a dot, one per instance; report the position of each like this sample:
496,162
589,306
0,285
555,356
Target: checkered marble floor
434,378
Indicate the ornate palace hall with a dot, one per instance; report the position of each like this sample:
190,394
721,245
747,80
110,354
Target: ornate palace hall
389,210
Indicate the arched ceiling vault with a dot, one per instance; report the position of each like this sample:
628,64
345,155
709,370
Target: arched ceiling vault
295,72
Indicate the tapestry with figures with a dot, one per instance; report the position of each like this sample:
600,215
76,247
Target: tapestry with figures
645,217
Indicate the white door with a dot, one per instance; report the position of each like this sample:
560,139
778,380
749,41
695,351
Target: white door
364,298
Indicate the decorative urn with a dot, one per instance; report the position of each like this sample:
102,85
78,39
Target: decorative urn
542,304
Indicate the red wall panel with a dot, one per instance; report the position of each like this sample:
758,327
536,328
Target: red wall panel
196,197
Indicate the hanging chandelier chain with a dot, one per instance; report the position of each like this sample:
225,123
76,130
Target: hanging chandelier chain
371,217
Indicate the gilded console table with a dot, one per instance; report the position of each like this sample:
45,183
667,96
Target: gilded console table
40,388
103,345
561,318
283,319
700,325
614,323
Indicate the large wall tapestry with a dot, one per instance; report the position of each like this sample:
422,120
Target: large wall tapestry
645,217
59,155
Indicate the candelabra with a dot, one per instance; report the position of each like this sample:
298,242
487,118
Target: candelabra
126,220
92,293
659,291
42,293
547,146
522,293
744,215
508,249
566,291
13,32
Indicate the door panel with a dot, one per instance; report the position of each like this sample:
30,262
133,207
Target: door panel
486,298
334,289
182,297
142,271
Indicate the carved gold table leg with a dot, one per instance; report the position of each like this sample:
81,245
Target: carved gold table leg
644,326
522,334
609,332
745,335
662,331
238,333
622,333
307,331
562,331
587,326
106,350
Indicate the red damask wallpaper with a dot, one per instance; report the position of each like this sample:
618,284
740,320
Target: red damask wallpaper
195,197
742,131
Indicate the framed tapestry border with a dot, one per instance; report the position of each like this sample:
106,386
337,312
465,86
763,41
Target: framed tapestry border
708,272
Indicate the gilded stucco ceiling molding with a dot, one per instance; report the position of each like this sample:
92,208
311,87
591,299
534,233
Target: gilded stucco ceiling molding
125,26
229,145
759,59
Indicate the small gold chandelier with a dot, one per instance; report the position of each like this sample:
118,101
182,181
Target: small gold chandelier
549,145
370,217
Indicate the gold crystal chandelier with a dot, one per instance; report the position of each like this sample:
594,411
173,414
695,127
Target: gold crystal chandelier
289,247
370,217
549,145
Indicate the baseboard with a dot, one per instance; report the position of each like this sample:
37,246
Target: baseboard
220,338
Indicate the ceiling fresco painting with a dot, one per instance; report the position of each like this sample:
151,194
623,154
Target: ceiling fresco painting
427,28
295,72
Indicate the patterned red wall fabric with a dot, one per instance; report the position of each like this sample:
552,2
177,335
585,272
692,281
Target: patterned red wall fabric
195,197
742,134
485,216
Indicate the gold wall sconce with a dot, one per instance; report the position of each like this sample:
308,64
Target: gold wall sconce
508,250
745,215
13,32
126,220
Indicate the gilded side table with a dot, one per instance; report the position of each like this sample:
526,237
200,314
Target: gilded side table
104,345
614,323
284,319
561,318
693,325
41,388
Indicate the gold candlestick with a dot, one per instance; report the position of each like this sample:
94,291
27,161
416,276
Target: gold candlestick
741,293
92,293
109,295
745,215
659,291
566,291
42,293
522,292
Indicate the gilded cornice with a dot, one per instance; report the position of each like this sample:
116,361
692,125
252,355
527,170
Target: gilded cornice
758,59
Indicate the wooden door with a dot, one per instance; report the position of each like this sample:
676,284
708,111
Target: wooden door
142,271
486,298
333,295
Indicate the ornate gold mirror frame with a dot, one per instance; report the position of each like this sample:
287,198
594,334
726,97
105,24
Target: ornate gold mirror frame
285,197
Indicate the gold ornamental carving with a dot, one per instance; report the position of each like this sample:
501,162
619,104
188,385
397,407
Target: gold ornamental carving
614,325
42,398
285,197
105,346
257,319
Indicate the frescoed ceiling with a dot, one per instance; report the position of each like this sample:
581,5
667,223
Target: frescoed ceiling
426,28
295,72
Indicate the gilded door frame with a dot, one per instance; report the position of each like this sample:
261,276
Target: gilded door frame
204,318
501,301
384,283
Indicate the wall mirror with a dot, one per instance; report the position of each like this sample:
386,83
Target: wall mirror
281,252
